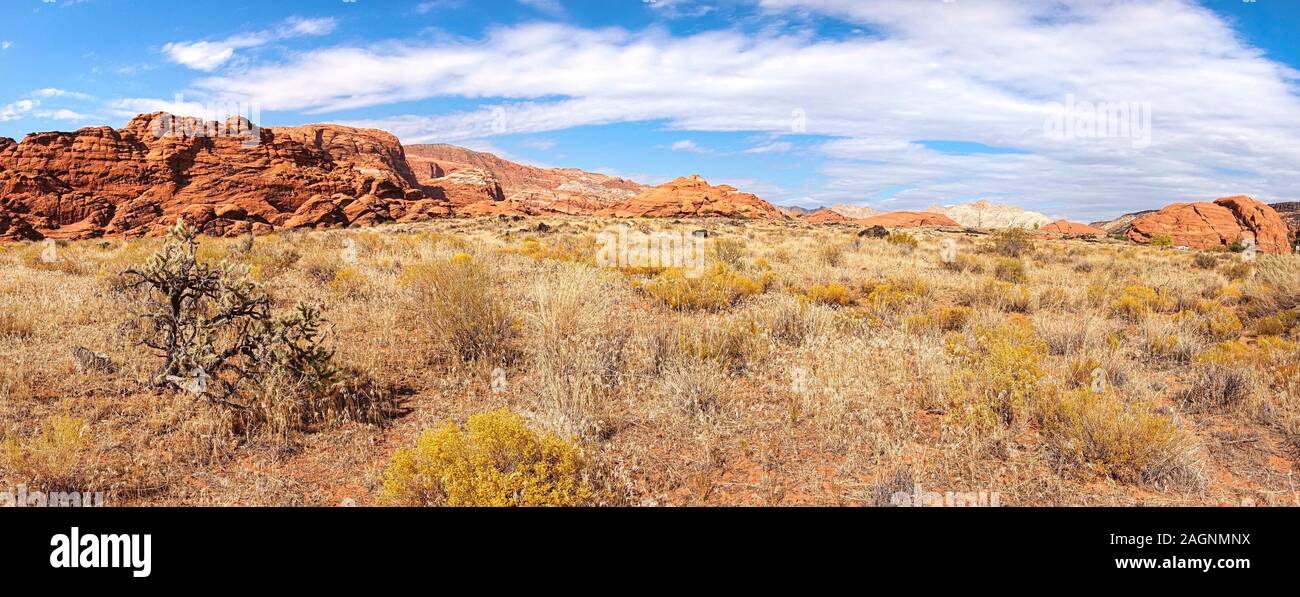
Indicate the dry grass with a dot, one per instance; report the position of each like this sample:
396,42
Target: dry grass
805,365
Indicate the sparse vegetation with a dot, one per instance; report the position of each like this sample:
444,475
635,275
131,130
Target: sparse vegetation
496,460
800,366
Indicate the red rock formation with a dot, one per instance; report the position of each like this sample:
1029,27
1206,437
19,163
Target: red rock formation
1290,212
13,227
225,178
538,190
1218,224
907,219
692,196
1067,228
824,216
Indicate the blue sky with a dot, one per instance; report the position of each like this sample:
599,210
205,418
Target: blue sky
896,104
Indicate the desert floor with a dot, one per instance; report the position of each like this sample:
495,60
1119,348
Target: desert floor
808,365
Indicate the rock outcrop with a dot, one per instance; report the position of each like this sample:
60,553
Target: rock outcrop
1218,224
225,178
982,214
854,212
692,196
1120,226
1072,229
824,216
1290,212
908,219
536,190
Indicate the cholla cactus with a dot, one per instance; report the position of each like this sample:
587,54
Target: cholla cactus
217,321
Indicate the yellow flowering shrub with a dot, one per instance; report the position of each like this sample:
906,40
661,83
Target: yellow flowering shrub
495,461
943,319
1103,435
717,288
829,294
51,458
1009,269
1137,300
348,282
1001,372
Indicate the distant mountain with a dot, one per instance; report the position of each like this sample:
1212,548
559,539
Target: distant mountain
559,190
855,212
982,214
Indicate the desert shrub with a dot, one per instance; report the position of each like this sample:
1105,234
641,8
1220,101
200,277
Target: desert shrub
731,344
1278,359
1162,240
1276,325
964,263
349,282
1204,260
941,319
1067,334
717,288
471,321
271,259
51,459
320,267
1218,387
1238,270
14,327
893,294
1001,373
1013,242
1229,294
1137,301
217,338
1219,323
568,249
902,239
496,460
831,253
1275,288
730,251
1054,297
1175,340
791,323
1101,434
696,389
1009,269
833,294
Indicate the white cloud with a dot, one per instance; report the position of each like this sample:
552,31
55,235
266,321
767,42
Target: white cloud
17,109
61,114
550,7
49,92
210,55
687,145
539,144
983,72
774,147
5,45
432,5
131,107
